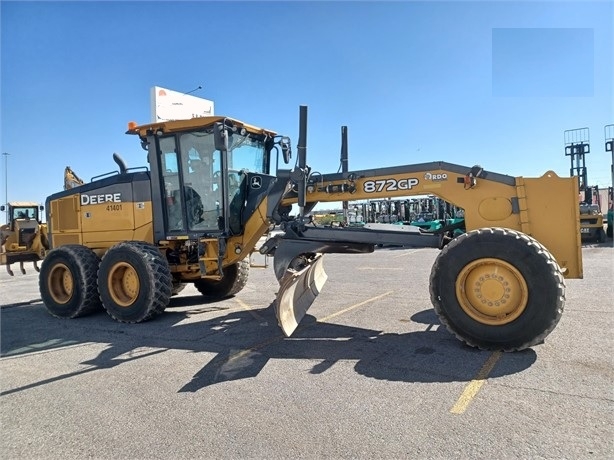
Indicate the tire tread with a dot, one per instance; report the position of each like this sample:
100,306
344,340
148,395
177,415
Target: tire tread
555,275
234,281
86,263
159,280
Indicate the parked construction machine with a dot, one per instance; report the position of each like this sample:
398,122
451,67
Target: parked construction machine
591,216
71,180
127,241
24,237
577,146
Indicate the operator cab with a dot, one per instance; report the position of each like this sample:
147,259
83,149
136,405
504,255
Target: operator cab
193,173
25,211
210,174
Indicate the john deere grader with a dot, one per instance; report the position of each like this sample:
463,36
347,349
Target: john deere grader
127,241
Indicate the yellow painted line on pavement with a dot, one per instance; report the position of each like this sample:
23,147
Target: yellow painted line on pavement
382,268
407,253
352,307
247,351
250,309
473,387
403,254
258,346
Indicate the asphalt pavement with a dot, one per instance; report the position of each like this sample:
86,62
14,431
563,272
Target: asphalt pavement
370,373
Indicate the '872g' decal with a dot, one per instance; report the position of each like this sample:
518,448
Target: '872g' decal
389,185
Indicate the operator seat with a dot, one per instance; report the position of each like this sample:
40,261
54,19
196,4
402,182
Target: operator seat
194,206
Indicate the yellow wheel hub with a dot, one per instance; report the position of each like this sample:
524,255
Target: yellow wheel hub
123,283
491,291
60,283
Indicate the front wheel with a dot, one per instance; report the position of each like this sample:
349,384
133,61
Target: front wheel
134,281
234,280
497,289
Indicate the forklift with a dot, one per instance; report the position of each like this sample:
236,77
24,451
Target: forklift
577,146
609,147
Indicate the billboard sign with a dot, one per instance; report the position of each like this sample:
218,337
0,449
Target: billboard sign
168,105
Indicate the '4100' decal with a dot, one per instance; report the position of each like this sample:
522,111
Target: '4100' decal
389,185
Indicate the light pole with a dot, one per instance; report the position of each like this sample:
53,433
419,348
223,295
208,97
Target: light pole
6,184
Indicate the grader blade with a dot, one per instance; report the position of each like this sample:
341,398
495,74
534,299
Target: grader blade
297,291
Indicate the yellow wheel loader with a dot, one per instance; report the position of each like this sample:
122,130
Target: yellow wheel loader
23,237
127,241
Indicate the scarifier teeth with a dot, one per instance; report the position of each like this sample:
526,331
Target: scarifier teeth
297,291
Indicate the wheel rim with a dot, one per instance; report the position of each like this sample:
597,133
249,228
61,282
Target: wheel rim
123,283
492,291
60,283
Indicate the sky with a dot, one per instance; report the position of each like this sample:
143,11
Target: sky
492,83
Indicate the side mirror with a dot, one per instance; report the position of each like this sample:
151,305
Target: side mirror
220,137
41,208
286,150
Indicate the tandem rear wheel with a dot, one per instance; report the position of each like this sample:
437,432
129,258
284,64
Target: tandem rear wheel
67,281
497,289
134,281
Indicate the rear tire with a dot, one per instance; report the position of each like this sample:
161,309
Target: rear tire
497,289
134,281
67,281
234,280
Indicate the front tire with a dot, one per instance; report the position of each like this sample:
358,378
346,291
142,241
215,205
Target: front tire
497,289
234,280
67,281
134,281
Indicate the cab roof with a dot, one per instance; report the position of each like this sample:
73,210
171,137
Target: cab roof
23,204
190,124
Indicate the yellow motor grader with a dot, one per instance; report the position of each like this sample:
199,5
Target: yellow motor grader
127,241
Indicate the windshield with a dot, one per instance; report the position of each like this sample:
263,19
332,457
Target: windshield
246,153
25,213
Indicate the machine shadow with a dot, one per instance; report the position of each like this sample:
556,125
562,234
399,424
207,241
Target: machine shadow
243,341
